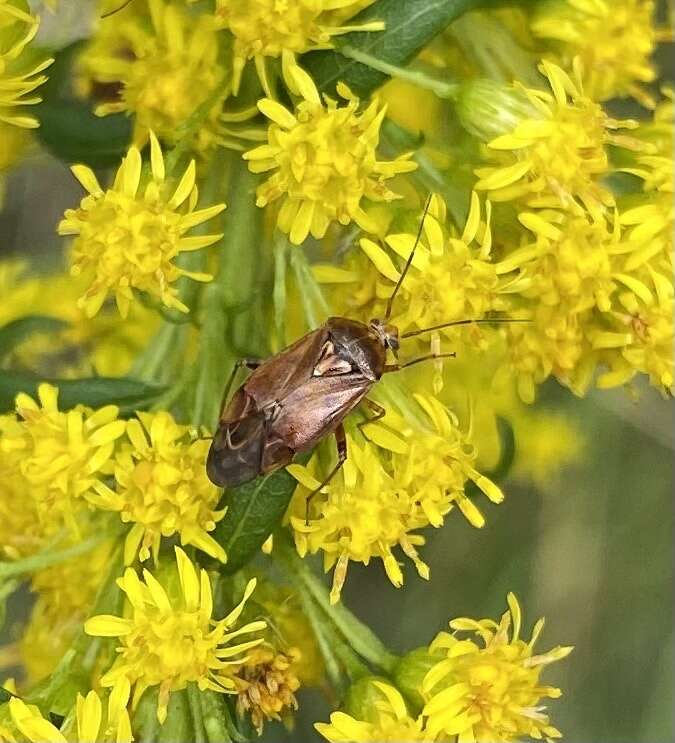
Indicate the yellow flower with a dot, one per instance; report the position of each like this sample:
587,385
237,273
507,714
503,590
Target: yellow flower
169,641
166,66
17,78
103,345
162,488
266,685
578,296
90,724
556,156
452,277
20,530
127,239
65,595
489,693
391,722
614,39
409,477
324,158
267,28
62,455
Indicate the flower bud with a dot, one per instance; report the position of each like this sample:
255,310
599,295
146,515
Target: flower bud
488,109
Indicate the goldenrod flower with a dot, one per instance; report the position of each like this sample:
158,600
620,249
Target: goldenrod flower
166,66
105,344
162,488
62,455
20,530
389,721
489,691
452,277
127,238
170,641
556,156
91,726
266,685
267,28
17,79
325,160
409,478
614,39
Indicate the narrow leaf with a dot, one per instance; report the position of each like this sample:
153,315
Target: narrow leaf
254,511
17,331
409,26
128,394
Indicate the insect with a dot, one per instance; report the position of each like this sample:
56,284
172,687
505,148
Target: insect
296,398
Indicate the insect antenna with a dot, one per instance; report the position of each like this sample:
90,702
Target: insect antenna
482,321
116,10
390,301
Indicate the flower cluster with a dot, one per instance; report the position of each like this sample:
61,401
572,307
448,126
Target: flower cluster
128,237
324,160
404,478
168,641
470,691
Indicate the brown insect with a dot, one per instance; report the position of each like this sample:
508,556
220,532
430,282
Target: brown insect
291,401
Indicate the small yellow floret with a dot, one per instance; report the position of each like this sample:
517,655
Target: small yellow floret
324,158
489,691
162,488
127,238
170,641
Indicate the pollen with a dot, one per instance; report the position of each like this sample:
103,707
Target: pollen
127,237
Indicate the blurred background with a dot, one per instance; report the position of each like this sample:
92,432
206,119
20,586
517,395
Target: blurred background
591,550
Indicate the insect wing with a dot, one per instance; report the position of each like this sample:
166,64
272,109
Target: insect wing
279,375
316,408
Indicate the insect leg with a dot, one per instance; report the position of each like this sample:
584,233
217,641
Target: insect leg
397,367
377,410
249,364
341,443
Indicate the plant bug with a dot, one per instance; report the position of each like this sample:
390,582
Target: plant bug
296,398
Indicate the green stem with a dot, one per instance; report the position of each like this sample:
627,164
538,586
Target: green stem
314,303
359,636
187,130
194,703
397,140
50,557
232,286
279,291
416,77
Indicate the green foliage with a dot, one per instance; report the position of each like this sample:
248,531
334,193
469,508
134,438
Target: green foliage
128,394
254,511
17,331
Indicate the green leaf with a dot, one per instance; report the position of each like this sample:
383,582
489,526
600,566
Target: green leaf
254,510
69,129
128,394
409,26
15,332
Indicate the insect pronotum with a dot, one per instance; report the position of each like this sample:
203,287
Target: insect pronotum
294,399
